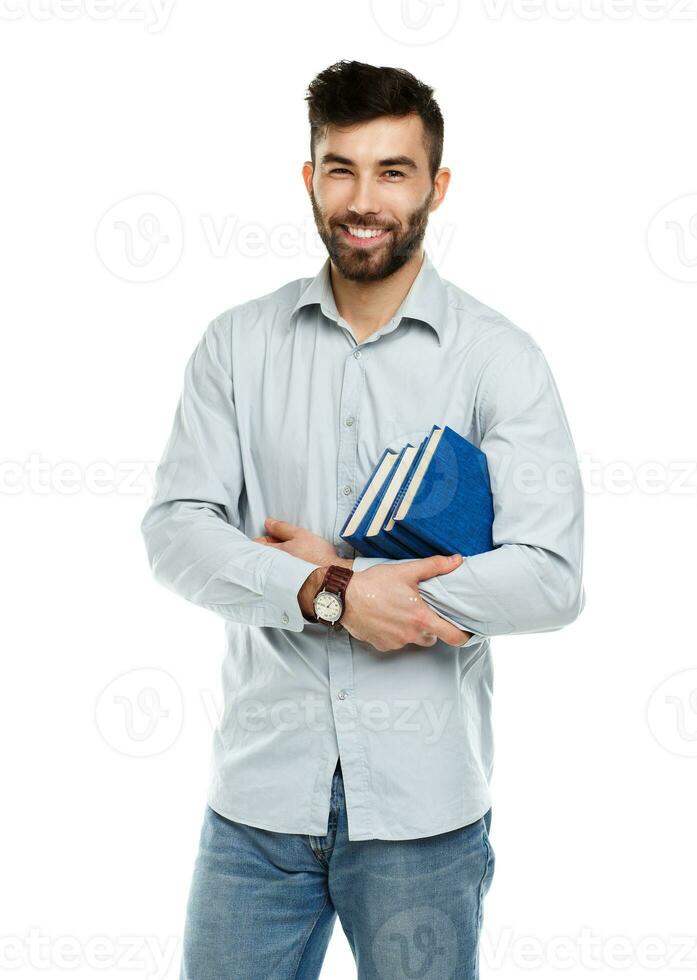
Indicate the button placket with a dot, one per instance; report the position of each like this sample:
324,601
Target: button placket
344,700
348,438
349,733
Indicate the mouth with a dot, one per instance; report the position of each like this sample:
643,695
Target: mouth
364,237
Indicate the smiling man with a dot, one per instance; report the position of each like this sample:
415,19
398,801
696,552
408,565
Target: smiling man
353,757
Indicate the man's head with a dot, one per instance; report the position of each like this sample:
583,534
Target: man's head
376,142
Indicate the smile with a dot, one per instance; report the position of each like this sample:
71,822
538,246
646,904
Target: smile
364,237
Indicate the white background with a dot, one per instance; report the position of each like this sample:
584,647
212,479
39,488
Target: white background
569,129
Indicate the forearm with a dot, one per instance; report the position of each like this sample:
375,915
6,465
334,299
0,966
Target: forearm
513,589
196,553
532,579
192,528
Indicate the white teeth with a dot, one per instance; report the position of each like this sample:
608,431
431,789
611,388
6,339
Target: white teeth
365,232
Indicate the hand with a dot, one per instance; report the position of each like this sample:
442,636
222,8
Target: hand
298,541
385,608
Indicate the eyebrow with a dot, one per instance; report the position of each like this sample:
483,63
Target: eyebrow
400,161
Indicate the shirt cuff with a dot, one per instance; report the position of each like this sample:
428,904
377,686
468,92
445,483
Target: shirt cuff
284,579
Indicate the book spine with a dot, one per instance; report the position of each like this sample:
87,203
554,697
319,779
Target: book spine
356,539
407,480
459,513
424,534
421,548
364,549
395,547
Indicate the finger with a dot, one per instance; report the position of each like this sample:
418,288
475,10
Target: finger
279,529
423,568
445,631
467,637
427,639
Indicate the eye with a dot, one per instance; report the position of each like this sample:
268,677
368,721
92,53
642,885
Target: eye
337,170
398,172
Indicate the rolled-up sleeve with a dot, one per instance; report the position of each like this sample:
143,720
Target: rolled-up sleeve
191,528
533,579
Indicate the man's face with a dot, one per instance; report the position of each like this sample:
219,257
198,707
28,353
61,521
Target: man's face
373,176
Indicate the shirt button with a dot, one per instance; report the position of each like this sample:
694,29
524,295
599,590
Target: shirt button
356,353
342,694
350,420
285,618
347,490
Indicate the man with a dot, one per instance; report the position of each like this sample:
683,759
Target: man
351,765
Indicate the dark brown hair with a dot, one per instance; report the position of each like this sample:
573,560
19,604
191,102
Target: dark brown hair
350,92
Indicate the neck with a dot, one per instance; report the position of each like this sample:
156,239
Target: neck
368,306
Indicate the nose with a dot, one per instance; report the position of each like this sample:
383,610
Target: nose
364,198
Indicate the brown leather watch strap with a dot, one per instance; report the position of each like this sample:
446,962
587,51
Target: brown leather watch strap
336,580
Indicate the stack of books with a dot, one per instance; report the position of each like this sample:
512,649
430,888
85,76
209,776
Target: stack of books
430,499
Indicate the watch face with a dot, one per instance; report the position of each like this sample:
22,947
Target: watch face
328,606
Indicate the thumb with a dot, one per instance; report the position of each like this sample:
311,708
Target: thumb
279,529
434,565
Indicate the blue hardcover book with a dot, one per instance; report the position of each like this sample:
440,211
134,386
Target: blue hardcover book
373,536
413,545
447,506
367,503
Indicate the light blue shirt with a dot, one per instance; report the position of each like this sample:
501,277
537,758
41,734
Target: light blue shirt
284,414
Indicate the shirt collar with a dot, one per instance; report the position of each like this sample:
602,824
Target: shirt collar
426,300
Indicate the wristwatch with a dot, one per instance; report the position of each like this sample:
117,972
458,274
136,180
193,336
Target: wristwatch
330,601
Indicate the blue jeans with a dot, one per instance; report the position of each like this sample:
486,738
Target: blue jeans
262,905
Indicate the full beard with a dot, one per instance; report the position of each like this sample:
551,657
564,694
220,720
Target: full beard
369,265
